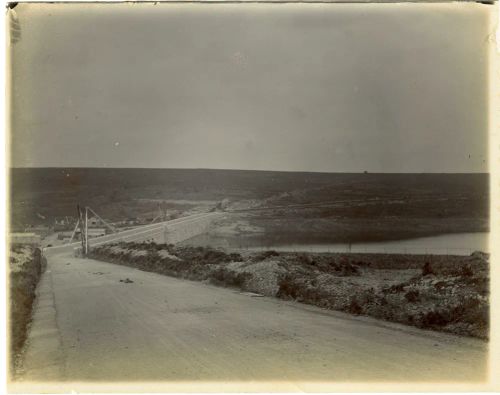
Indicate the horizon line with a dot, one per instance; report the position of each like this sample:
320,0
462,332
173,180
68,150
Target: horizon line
254,170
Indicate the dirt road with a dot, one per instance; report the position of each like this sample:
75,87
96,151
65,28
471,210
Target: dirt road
92,323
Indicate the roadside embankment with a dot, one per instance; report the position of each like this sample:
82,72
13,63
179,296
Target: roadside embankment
445,293
26,265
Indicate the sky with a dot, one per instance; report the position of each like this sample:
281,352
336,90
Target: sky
297,87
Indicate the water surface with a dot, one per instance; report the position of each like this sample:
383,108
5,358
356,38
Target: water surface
446,244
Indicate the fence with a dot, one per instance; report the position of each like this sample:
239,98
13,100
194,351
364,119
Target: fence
345,248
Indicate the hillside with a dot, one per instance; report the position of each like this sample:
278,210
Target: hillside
297,201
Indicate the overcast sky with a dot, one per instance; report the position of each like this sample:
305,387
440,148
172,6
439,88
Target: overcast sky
386,88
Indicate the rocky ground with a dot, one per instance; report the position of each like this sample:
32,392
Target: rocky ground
446,293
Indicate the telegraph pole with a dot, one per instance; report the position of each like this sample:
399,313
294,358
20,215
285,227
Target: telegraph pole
86,230
83,225
83,234
74,230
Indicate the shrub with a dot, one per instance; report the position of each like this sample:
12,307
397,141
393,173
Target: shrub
349,269
394,289
344,268
264,255
235,257
466,271
472,311
229,277
434,318
354,307
440,285
305,259
427,269
288,288
202,255
480,284
153,257
412,296
22,285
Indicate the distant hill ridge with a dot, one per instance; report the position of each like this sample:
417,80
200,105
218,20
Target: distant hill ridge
55,191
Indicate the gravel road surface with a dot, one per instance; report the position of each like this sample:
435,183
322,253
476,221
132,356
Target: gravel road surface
101,322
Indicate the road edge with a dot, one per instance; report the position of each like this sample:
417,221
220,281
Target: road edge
44,340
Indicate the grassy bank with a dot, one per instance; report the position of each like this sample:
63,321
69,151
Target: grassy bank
26,266
446,293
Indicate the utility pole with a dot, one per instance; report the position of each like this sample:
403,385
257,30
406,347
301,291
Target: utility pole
74,230
112,228
162,212
86,230
83,224
83,234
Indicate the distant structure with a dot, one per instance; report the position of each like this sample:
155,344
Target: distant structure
222,205
162,213
93,221
86,227
64,223
96,232
41,230
25,238
66,235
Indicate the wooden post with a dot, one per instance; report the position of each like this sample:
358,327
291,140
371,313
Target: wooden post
74,231
86,230
82,231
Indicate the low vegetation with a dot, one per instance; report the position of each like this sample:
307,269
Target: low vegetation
446,293
26,267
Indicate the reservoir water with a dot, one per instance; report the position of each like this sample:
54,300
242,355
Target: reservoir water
446,244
